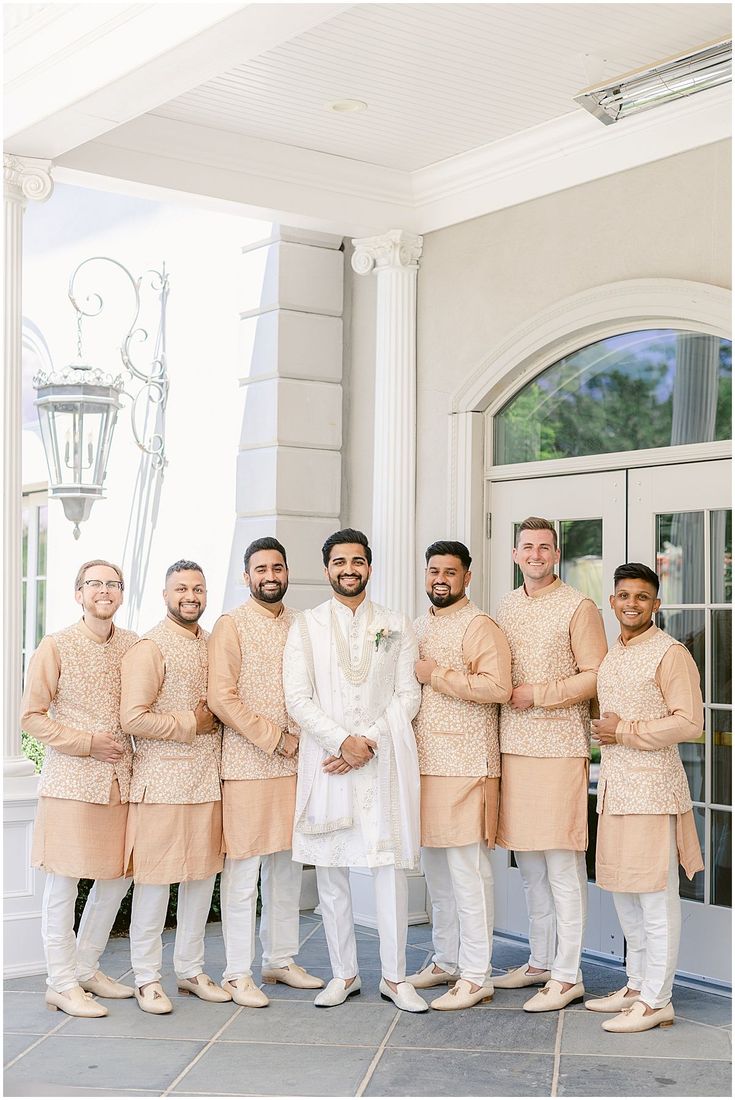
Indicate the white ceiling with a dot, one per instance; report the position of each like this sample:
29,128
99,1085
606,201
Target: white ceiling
439,79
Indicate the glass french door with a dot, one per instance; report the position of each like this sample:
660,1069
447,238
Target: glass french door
677,519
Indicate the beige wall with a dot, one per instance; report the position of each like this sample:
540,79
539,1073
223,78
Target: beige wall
482,278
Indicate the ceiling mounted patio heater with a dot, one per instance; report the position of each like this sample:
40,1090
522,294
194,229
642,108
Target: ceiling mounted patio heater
673,78
78,405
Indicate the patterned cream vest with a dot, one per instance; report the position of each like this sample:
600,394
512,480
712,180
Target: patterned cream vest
635,781
168,771
88,698
537,629
260,686
453,736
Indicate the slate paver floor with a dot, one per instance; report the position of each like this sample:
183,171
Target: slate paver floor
364,1048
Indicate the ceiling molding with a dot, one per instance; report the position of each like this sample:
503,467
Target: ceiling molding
320,191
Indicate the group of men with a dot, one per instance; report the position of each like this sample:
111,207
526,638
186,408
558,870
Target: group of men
345,737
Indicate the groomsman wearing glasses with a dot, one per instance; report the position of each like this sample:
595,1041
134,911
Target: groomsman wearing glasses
72,705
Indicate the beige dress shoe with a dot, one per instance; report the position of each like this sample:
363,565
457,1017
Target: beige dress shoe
151,998
551,998
614,1002
519,978
204,987
461,996
636,1018
245,992
427,979
75,1002
102,985
292,975
405,997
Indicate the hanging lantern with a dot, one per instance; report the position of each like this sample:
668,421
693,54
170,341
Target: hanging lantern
77,410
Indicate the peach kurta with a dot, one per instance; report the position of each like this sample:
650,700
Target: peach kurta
632,847
81,820
544,799
174,830
257,813
459,759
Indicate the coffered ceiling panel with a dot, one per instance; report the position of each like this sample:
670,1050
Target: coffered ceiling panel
438,79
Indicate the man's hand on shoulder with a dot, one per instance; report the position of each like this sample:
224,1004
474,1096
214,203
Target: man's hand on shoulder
104,747
522,697
205,720
357,751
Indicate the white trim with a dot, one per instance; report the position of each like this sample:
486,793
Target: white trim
617,460
529,348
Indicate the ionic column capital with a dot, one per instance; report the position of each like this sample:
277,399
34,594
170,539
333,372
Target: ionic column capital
26,178
395,249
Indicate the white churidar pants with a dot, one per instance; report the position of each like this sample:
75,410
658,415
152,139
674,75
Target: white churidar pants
72,959
651,925
555,884
280,893
391,906
150,904
460,882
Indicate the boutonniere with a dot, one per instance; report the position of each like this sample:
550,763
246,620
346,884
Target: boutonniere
383,636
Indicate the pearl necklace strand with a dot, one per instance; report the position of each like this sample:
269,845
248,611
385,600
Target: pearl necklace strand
354,674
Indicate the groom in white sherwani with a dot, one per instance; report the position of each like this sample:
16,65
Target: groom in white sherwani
349,684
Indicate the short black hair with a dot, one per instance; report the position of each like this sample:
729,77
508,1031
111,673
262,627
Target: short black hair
349,534
455,549
184,566
636,571
266,543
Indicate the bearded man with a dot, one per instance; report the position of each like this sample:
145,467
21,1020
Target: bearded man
464,667
349,683
72,705
175,821
258,781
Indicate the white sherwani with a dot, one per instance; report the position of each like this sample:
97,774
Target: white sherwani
370,816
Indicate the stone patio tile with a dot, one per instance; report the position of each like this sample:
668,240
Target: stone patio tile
631,1076
190,1019
272,1069
34,983
95,1063
433,1073
705,1008
583,1034
27,1012
286,1021
15,1044
476,1028
63,1090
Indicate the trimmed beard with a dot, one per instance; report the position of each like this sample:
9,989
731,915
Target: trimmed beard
337,587
445,601
269,597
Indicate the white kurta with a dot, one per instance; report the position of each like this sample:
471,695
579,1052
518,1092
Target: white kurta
370,816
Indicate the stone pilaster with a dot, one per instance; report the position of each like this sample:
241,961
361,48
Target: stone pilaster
289,464
24,180
393,258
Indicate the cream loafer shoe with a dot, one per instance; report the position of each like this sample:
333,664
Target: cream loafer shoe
75,1002
551,998
102,985
636,1018
151,998
461,996
614,1002
292,975
337,993
519,978
245,992
427,979
406,998
204,987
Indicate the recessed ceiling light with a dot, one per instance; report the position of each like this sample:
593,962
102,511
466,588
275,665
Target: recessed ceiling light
345,106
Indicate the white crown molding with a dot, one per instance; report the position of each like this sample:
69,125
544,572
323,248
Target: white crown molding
338,195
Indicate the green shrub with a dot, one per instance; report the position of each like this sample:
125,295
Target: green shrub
32,748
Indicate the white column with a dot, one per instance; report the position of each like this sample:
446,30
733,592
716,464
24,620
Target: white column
394,258
24,180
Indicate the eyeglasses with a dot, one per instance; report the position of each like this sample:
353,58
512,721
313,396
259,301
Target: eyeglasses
111,586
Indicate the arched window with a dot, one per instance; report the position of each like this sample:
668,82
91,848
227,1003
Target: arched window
655,388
